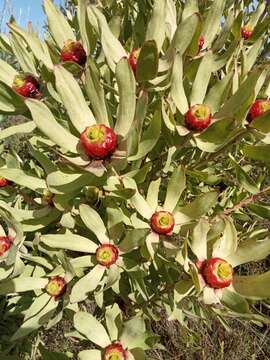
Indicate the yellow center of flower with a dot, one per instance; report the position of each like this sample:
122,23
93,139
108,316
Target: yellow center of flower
164,220
19,81
115,356
265,105
201,111
53,288
224,270
96,134
105,255
136,53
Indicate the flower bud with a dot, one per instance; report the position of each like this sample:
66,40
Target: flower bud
98,141
162,222
107,255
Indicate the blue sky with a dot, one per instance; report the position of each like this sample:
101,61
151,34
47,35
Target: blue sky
24,10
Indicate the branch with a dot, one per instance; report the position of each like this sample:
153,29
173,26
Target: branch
246,201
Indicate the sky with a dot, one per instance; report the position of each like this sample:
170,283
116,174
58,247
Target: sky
23,10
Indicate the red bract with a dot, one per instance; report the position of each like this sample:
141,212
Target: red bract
162,222
217,273
258,108
246,32
26,85
5,244
115,352
201,42
74,51
56,286
107,255
98,141
198,117
133,58
4,182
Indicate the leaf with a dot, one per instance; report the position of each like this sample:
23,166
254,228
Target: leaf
93,222
227,244
58,25
134,334
21,178
250,250
182,289
7,73
200,206
176,186
89,326
24,128
253,287
212,21
23,56
147,64
262,210
51,128
113,321
234,302
217,135
216,95
38,46
152,194
259,152
235,103
112,48
52,355
69,242
79,113
191,7
177,87
89,354
149,138
127,97
22,284
133,239
34,323
95,93
184,34
202,79
244,179
87,284
262,123
199,239
157,26
138,200
10,102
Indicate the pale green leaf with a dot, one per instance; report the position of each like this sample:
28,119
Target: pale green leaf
46,122
89,326
176,186
71,94
69,242
58,24
127,97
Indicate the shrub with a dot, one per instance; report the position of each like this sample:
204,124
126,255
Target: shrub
147,176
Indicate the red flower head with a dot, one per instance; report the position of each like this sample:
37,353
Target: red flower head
258,108
56,287
201,42
162,222
5,244
74,51
198,117
115,352
133,58
246,32
217,273
107,254
26,85
98,141
4,182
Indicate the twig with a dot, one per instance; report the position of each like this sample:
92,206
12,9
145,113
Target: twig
246,201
